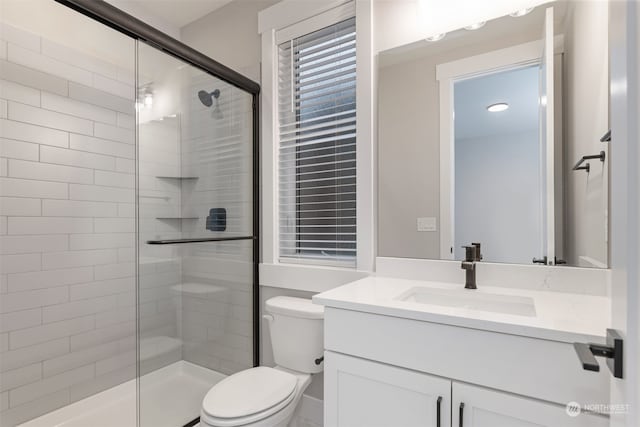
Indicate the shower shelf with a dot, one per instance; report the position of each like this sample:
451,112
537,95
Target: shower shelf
197,289
177,217
177,177
151,260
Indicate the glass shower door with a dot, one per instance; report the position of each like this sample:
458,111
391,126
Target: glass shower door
195,242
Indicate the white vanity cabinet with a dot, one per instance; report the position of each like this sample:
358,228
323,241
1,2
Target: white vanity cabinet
387,370
360,392
474,406
363,393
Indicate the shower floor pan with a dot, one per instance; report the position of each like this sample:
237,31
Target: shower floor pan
170,396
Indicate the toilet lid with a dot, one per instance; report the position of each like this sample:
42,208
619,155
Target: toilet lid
249,392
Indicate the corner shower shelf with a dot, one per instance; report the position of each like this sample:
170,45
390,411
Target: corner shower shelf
153,260
177,177
155,197
197,289
177,217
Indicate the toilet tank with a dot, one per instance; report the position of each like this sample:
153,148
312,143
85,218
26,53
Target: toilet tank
297,333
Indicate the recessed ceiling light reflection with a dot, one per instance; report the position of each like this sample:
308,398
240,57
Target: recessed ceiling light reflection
475,26
521,12
436,37
496,108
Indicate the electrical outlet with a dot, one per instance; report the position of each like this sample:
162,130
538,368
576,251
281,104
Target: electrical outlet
427,224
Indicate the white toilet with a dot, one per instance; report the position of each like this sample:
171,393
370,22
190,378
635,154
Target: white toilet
268,397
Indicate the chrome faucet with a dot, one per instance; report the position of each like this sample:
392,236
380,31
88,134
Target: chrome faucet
472,254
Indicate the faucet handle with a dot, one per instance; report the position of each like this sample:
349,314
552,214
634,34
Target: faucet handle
478,251
470,253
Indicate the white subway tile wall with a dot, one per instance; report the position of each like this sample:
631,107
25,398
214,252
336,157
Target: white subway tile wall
67,224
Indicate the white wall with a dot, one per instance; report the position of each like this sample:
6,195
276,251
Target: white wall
67,223
503,214
146,16
586,120
230,35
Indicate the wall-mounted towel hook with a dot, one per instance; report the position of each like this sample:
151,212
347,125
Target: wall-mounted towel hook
587,167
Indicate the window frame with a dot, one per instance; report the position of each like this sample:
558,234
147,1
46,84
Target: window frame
293,238
286,20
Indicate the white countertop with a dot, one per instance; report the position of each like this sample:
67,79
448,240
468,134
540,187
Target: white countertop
565,317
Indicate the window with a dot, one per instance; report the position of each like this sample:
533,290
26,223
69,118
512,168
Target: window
317,146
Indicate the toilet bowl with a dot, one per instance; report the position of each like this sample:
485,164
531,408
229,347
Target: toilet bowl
265,396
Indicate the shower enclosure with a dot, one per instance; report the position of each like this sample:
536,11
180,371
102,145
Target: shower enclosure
128,220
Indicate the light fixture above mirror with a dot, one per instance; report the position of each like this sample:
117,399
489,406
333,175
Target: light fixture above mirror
521,12
436,37
475,26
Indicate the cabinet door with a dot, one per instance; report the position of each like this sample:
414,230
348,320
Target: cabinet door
488,408
362,393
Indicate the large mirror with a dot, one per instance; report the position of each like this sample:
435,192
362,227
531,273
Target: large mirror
497,134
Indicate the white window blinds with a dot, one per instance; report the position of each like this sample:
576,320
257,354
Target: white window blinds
317,146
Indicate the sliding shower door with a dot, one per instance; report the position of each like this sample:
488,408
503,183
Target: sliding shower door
195,195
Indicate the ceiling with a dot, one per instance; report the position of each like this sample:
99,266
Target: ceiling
177,13
518,88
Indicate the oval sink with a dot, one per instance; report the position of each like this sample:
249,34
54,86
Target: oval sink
471,300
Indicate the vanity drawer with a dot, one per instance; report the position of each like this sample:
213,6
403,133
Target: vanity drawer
546,370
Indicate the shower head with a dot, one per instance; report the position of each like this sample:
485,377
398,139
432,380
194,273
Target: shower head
207,97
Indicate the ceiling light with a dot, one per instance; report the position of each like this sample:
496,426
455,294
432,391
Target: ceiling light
521,12
436,37
475,26
495,108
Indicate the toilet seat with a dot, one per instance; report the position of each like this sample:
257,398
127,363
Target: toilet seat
248,396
